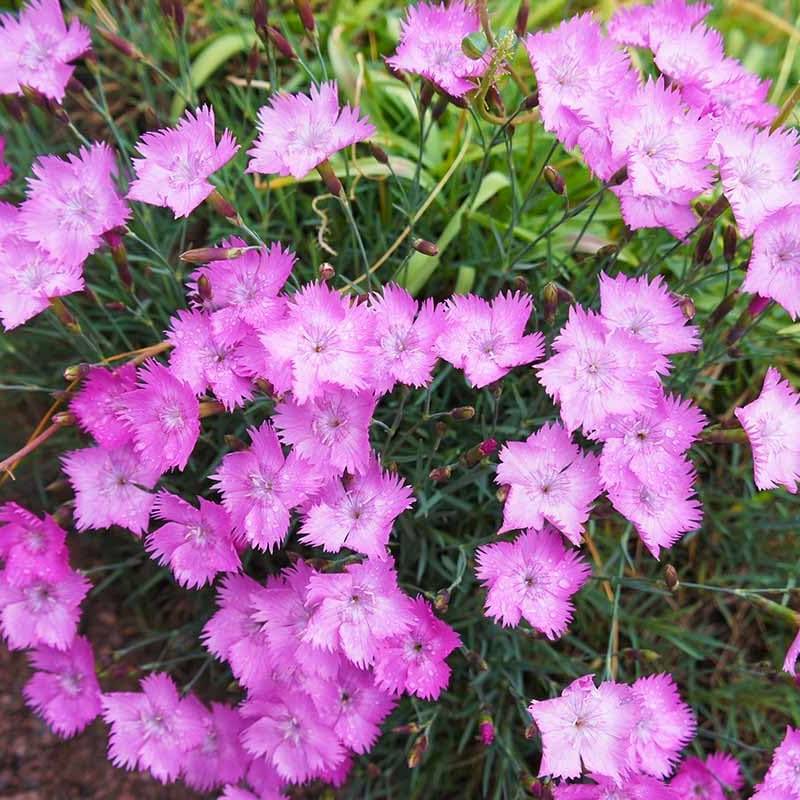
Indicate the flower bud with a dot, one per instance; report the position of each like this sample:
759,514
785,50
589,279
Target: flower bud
173,9
425,247
373,770
729,242
502,493
62,516
222,206
476,454
253,60
521,24
281,42
410,727
703,245
531,101
441,602
63,418
606,251
671,577
333,184
378,153
263,385
234,442
550,302
204,288
326,271
76,372
418,750
474,46
531,731
462,413
520,283
619,177
260,14
554,179
686,305
440,474
122,45
716,209
202,255
476,661
63,315
439,108
496,102
426,95
486,728
305,13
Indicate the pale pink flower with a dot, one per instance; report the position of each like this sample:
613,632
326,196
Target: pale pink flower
550,479
26,541
357,513
36,49
772,424
586,727
708,779
110,487
177,162
430,46
414,661
98,405
9,226
673,211
487,340
72,202
260,486
781,781
633,25
64,688
297,132
632,787
792,656
5,170
688,56
153,729
533,577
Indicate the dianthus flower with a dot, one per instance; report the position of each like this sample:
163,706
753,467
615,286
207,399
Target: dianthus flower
487,340
260,486
594,374
550,479
26,541
404,335
757,170
297,132
29,278
772,424
331,432
353,611
177,162
357,513
632,787
196,543
5,170
586,725
533,577
782,781
792,656
41,606
164,415
72,202
37,47
64,689
707,779
430,46
672,211
110,487
263,778
98,405
152,729
414,661
643,25
286,729
648,310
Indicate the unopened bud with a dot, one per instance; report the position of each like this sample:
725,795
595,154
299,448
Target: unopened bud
440,474
333,184
63,315
476,661
462,413
729,242
441,428
496,102
260,14
474,46
671,577
122,45
263,385
531,731
486,728
700,208
114,305
63,418
203,255
425,247
234,442
426,95
686,305
378,153
476,454
550,302
619,177
554,179
396,73
76,372
521,24
703,244
253,59
173,9
502,493
439,108
62,516
520,283
326,271
204,288
410,727
531,101
418,750
59,486
281,42
716,209
441,602
305,13
606,251
222,206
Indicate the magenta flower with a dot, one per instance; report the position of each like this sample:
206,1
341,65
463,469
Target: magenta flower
355,610
153,729
430,46
415,661
632,787
772,424
672,212
98,405
780,782
36,49
196,543
41,606
708,779
757,170
297,132
487,340
71,203
331,432
586,727
550,479
5,170
64,689
164,415
260,486
792,656
643,25
177,162
108,487
595,373
404,335
27,542
533,577
648,310
358,512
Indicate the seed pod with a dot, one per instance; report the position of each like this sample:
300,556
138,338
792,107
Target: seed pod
425,247
462,413
671,577
554,179
729,242
426,95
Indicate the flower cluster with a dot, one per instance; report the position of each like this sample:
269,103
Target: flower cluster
781,781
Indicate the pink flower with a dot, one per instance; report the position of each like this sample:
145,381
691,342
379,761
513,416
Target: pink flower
41,606
260,486
107,484
177,162
595,373
642,25
757,170
286,729
709,779
297,132
5,170
64,688
781,777
331,432
672,212
152,729
98,405
355,610
71,203
550,479
30,278
487,340
358,513
27,542
414,661
665,725
533,577
197,544
164,415
774,268
648,310
404,335
632,787
36,49
586,725
772,424
430,46
792,656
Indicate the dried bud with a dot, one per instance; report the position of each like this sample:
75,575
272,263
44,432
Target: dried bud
204,288
306,14
606,251
619,177
263,385
202,255
531,101
123,45
474,46
63,418
671,577
281,42
520,283
486,728
521,24
378,153
440,474
550,302
62,516
462,413
531,731
496,102
333,184
554,179
114,305
686,305
222,206
326,271
502,493
234,442
703,244
441,428
729,242
476,661
260,14
442,601
425,247
410,727
417,751
76,372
